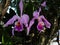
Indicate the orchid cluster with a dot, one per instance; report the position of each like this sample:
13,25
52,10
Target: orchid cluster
24,20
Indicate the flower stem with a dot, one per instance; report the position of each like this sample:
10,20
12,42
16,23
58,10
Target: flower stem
2,39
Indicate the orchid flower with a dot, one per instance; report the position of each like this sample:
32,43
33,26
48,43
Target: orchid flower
42,21
24,19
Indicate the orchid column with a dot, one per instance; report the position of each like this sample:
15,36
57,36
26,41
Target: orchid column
18,25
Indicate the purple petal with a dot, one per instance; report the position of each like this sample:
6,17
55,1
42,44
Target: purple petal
40,26
11,21
13,32
30,25
25,19
21,6
28,30
43,4
18,26
45,21
31,22
35,14
39,9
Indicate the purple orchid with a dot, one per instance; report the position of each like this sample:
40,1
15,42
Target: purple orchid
24,19
42,21
21,7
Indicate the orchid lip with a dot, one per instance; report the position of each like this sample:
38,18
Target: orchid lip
40,26
18,26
